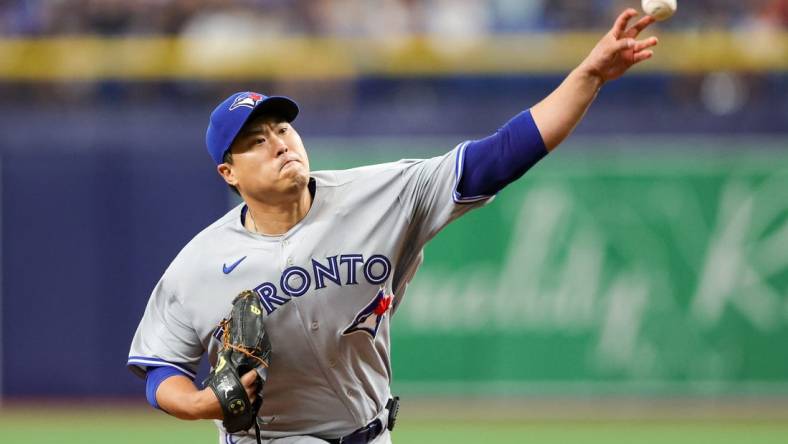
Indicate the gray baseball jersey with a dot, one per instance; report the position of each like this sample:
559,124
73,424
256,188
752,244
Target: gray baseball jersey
329,286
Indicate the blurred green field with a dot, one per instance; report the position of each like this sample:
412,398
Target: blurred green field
123,425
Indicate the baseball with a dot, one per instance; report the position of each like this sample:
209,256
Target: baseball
659,9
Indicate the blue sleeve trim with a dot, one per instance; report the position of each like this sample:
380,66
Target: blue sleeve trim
492,163
157,375
145,361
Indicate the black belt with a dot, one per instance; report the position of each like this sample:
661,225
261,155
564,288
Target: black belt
372,430
361,436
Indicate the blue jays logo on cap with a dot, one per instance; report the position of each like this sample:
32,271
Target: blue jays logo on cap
368,319
250,99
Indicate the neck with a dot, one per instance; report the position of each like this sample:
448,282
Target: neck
276,218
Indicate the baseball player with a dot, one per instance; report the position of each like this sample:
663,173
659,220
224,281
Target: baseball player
330,254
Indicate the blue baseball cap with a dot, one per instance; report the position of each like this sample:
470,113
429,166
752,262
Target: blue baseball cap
231,115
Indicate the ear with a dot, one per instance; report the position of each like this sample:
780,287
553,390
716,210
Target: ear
226,171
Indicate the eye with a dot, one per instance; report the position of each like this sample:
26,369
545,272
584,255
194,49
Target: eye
283,130
259,140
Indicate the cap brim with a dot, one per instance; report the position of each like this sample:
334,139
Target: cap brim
276,105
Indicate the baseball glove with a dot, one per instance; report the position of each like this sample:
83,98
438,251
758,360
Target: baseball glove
246,347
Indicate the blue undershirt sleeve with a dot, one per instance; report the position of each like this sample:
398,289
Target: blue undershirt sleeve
155,376
492,163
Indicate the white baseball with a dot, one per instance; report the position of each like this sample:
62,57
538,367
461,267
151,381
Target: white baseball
659,9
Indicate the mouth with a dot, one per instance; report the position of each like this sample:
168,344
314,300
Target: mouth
289,162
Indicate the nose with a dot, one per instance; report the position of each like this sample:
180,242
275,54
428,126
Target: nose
280,146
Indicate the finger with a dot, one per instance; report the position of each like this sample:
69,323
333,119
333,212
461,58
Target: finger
252,394
643,55
249,378
249,381
640,45
623,44
641,24
621,22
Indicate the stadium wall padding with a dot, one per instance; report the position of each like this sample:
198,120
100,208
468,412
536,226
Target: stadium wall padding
98,197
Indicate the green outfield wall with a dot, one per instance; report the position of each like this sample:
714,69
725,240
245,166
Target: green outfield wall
607,269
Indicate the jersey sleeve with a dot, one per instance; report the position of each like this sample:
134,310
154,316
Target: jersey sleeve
164,336
431,196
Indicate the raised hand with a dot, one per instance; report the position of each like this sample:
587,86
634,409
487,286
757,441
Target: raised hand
619,49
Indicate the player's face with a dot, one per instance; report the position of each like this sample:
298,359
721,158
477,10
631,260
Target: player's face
269,162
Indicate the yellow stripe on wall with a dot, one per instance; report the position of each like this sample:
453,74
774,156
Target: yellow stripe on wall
94,58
